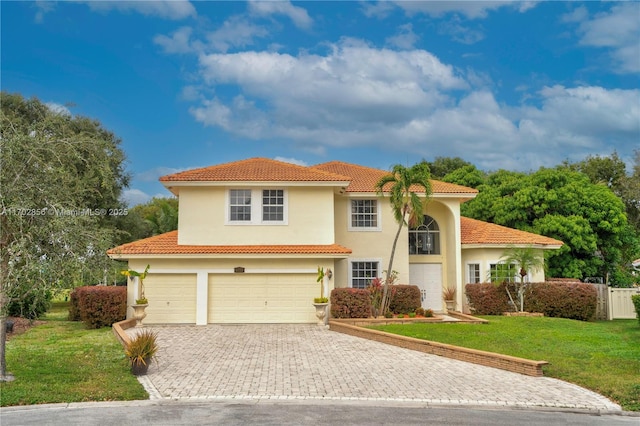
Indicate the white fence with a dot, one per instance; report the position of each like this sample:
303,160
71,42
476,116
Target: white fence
619,303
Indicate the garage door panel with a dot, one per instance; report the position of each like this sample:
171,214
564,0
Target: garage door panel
172,298
268,298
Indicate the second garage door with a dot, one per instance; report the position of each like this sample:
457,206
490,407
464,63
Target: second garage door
262,298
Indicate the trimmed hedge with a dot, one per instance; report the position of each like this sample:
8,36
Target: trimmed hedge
487,298
554,299
74,304
350,303
564,300
635,298
99,306
405,299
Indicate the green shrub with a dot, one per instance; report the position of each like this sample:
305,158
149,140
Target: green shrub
30,306
636,302
412,314
102,306
74,304
487,298
350,303
405,299
563,300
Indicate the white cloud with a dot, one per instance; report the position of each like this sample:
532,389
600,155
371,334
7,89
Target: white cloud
178,42
152,175
353,87
58,108
469,9
167,9
460,33
298,15
237,31
134,197
404,39
292,161
42,8
619,30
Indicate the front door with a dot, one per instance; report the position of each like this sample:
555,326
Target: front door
428,277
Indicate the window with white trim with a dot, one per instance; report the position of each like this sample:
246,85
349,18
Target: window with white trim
501,272
473,273
257,207
272,205
362,272
240,205
364,215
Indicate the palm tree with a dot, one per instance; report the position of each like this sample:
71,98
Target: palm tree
526,260
403,185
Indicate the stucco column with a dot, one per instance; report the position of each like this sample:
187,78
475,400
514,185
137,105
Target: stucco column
202,297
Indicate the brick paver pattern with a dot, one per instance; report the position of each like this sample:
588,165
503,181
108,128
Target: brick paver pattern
286,361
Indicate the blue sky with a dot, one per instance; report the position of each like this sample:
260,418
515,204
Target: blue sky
514,85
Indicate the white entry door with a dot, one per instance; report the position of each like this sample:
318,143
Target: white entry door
428,277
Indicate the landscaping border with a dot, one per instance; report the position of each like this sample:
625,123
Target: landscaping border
489,359
120,327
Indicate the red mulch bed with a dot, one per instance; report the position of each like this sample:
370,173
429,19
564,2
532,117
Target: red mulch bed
20,325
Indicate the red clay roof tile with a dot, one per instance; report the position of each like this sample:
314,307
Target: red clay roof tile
255,170
484,233
364,179
167,244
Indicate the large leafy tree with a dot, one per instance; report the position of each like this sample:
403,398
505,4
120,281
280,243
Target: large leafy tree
157,216
60,183
560,203
442,166
409,188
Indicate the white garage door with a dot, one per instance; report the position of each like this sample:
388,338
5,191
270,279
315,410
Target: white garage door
262,298
172,298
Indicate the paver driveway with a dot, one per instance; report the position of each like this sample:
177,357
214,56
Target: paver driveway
306,361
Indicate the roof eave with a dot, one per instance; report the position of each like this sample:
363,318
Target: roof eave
230,256
190,183
510,245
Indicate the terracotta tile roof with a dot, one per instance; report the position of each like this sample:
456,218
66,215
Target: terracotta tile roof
484,233
168,244
364,179
255,170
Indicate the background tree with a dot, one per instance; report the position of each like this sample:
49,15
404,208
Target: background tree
157,216
563,204
403,185
468,176
61,177
442,166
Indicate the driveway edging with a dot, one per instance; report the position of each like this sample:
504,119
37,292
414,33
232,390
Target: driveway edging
489,359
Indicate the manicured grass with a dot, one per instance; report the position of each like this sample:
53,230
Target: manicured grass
61,361
603,356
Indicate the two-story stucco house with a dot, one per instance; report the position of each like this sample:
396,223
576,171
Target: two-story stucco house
252,234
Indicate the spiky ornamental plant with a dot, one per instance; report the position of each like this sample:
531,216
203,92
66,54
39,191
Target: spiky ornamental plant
409,189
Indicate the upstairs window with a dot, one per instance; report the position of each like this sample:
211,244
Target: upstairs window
240,205
364,215
257,207
273,205
425,239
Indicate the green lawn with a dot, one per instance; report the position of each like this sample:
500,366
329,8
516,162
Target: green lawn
603,356
61,361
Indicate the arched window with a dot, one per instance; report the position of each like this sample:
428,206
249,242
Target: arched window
425,239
